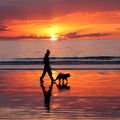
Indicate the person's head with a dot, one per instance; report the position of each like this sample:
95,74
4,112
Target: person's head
48,52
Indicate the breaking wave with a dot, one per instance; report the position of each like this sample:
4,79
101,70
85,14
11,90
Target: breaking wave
61,62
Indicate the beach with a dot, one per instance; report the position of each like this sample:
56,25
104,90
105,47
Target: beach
90,94
59,59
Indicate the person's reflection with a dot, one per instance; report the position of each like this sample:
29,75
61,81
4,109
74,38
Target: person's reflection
47,94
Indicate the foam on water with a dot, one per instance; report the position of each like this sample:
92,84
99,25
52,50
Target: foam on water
62,62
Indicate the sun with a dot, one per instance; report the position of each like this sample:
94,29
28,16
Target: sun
54,38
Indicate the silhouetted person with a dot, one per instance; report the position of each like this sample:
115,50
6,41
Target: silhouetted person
47,95
47,67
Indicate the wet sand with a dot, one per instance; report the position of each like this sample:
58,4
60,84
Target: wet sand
89,95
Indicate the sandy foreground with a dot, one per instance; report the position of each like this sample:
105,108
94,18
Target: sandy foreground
89,94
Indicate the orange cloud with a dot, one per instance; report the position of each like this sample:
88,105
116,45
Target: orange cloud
85,24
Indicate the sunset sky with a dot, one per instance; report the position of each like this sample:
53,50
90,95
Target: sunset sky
59,19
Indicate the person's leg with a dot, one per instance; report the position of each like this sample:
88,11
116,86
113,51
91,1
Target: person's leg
43,74
50,74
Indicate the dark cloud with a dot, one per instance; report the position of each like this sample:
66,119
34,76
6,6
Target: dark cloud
73,35
23,37
96,35
117,28
25,9
46,9
3,28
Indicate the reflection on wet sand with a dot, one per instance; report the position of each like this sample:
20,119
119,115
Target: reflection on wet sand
93,95
62,85
47,95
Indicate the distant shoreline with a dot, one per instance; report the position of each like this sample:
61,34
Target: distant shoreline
61,69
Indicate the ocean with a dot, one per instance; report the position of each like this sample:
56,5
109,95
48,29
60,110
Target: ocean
91,93
71,54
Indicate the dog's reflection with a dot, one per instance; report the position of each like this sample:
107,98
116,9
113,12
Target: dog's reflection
62,85
47,94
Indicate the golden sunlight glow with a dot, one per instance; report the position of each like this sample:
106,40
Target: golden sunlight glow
53,32
53,29
62,27
54,38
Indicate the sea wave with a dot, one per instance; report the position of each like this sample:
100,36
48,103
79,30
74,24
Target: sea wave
76,58
92,60
63,60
